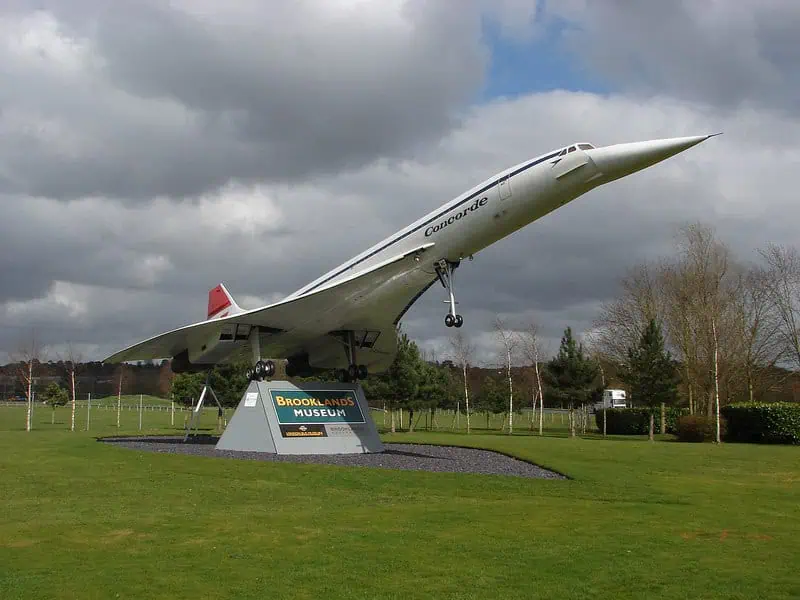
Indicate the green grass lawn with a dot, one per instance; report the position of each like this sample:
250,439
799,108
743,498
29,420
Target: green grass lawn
636,520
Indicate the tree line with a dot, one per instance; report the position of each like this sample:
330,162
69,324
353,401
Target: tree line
699,328
731,324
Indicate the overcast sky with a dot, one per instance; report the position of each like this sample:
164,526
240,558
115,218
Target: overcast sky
149,150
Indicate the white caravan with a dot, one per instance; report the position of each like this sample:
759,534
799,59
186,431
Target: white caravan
347,318
612,399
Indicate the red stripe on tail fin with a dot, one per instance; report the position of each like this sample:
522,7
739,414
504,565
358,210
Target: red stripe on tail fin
217,300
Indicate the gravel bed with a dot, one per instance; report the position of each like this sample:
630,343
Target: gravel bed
412,457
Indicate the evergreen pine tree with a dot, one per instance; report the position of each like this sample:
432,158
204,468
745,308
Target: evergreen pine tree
571,375
491,398
651,374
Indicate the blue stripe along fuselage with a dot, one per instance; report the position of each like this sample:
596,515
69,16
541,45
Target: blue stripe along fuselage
439,215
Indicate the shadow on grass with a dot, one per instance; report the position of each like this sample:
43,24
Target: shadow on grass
550,434
413,454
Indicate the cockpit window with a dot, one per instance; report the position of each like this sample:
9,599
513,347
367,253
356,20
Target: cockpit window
571,149
585,146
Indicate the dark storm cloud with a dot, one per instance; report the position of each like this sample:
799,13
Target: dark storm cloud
743,52
163,102
141,270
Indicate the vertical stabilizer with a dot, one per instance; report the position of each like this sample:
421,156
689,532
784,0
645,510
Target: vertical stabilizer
221,303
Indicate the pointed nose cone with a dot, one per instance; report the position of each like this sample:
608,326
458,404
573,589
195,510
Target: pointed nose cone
621,160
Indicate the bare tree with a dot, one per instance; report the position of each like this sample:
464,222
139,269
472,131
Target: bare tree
27,358
783,268
729,324
622,321
72,361
716,381
462,352
680,323
701,285
531,348
508,343
757,328
121,378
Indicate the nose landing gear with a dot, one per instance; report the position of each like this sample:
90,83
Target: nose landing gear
453,321
445,270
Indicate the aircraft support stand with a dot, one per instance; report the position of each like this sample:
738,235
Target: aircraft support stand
197,410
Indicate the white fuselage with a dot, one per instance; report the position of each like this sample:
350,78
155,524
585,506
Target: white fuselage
474,220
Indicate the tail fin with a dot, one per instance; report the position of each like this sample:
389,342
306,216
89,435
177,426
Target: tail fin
221,303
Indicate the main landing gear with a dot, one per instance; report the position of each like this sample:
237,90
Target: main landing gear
355,371
263,369
445,270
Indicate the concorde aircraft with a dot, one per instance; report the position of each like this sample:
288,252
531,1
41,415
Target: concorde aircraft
347,318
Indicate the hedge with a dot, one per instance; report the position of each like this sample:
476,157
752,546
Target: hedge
768,423
699,428
636,421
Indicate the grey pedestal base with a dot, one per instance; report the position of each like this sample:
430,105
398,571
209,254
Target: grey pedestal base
310,418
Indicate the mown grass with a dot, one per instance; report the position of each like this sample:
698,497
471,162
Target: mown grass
636,520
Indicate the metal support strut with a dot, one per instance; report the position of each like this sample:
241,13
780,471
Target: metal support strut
198,409
445,270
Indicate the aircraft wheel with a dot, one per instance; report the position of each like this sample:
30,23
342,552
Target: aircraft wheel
449,320
362,371
352,373
342,375
459,320
269,368
258,370
249,374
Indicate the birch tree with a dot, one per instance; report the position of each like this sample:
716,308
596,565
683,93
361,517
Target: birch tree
27,359
120,378
531,349
72,362
508,343
462,351
707,262
716,378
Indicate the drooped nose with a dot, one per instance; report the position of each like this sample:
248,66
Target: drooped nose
620,160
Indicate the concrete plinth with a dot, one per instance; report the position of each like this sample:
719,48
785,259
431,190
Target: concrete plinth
310,418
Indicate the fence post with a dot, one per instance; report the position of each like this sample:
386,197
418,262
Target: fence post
140,412
172,415
88,411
